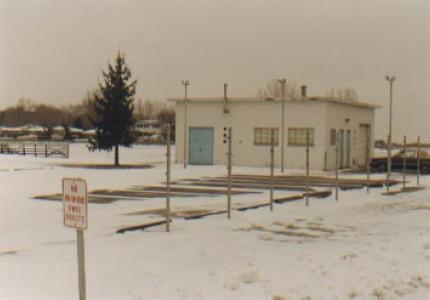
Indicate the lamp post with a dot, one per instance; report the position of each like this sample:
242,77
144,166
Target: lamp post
391,80
282,82
185,83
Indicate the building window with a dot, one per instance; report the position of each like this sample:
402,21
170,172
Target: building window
333,137
297,136
262,136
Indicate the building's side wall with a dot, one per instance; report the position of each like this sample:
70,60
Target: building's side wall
305,115
337,116
243,117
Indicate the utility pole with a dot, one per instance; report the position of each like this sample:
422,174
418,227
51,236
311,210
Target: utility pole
283,83
168,180
391,80
185,83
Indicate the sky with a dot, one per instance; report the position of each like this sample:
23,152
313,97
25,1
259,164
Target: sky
53,51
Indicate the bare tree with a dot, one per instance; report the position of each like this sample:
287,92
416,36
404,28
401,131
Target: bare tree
151,109
166,116
273,89
20,114
345,94
139,111
48,116
148,109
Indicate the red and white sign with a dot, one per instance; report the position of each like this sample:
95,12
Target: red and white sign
75,203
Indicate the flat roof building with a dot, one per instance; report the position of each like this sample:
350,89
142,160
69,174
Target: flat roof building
252,119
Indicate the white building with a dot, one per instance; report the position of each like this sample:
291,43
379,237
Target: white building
251,119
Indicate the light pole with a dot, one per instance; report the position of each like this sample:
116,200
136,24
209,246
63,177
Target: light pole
390,79
185,84
282,82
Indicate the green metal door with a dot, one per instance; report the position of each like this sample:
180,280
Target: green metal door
201,146
347,149
341,149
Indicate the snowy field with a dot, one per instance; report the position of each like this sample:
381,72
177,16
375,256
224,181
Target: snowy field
365,246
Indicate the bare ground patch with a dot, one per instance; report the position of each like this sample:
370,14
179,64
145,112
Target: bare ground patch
286,232
308,231
180,213
8,252
399,288
105,166
400,206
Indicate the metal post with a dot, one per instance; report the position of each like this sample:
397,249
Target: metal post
337,166
404,162
282,82
418,161
185,83
46,150
229,174
307,168
23,149
368,159
168,180
390,127
272,164
387,185
81,265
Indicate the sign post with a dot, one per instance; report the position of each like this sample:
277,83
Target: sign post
75,215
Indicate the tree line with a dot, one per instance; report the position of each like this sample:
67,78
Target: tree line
78,115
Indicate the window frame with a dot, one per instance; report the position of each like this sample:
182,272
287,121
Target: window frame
261,141
333,137
311,131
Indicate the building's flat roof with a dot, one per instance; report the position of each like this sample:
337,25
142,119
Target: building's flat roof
256,99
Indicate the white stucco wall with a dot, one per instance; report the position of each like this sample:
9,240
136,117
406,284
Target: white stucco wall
244,116
336,119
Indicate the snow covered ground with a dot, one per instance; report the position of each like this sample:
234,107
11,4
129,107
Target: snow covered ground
365,246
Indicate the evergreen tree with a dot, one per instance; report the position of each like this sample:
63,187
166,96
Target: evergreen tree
113,106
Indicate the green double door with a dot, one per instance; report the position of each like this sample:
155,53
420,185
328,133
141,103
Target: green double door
201,142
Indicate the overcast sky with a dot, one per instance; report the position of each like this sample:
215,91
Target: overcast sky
54,50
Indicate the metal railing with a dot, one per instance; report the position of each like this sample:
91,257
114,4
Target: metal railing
35,149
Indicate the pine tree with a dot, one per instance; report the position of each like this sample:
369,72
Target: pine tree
113,106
